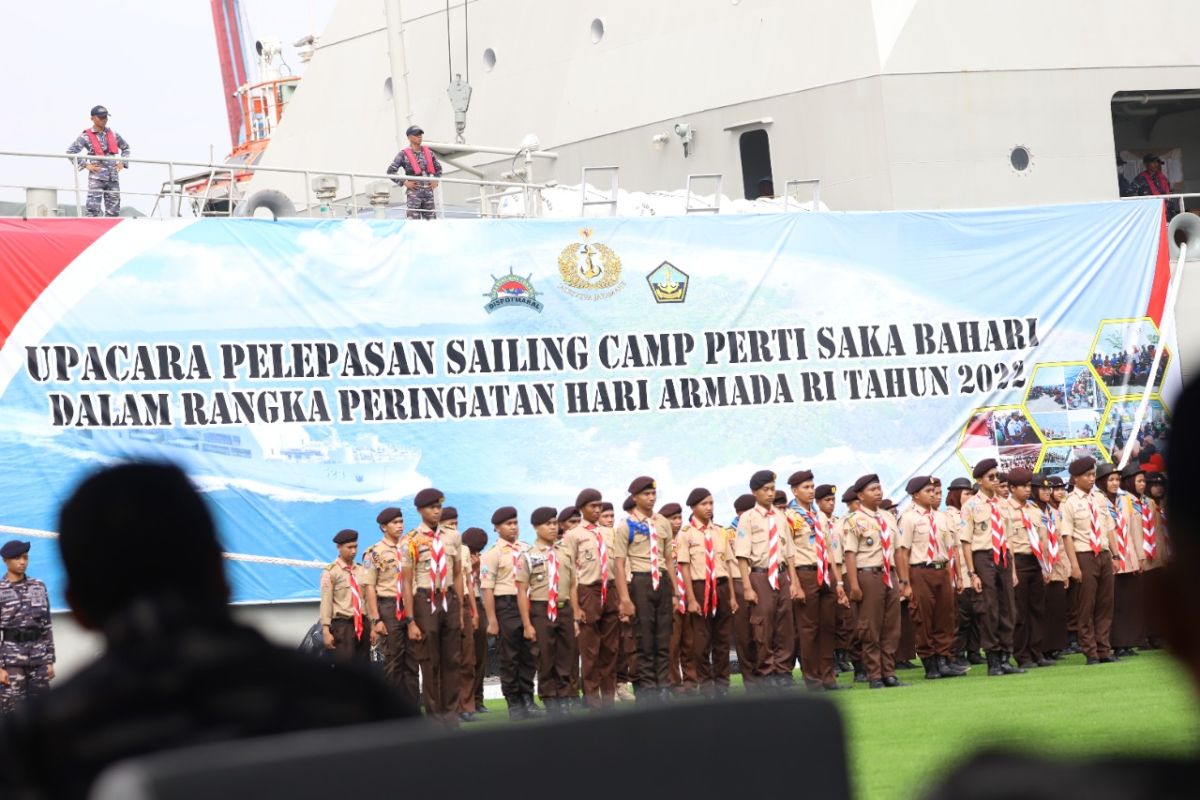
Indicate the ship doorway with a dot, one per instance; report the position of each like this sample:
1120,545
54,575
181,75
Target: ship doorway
756,164
1160,123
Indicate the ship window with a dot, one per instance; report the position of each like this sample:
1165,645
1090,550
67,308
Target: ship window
387,89
489,59
597,30
1019,158
756,164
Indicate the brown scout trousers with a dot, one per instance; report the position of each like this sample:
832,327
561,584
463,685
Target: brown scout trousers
710,638
772,635
599,640
932,608
816,628
393,647
653,609
1128,630
474,662
517,666
345,647
627,653
996,624
683,667
440,651
741,633
878,623
1029,605
1095,603
970,611
554,652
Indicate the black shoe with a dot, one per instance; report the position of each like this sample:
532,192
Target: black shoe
1129,651
973,657
876,685
994,668
905,664
1007,666
1109,660
949,670
891,682
1053,655
833,687
1027,665
467,716
480,708
1092,661
1045,662
931,668
516,709
860,672
533,709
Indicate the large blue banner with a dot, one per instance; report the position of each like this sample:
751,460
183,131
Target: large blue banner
306,373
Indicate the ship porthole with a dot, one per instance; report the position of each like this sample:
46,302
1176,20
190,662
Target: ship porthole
597,30
1020,158
489,59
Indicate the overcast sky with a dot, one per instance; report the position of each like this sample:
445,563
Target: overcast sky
152,63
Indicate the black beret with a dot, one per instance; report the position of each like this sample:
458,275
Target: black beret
960,483
475,539
824,490
427,497
1156,478
974,488
1082,465
780,498
850,495
1131,470
743,503
935,480
800,476
587,496
567,513
628,504
387,515
984,467
1039,481
1104,470
865,481
345,535
1019,476
696,496
670,510
542,515
641,484
503,514
449,514
888,504
606,506
761,479
1055,482
14,548
1002,477
918,483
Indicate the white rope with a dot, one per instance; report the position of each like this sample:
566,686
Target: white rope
34,533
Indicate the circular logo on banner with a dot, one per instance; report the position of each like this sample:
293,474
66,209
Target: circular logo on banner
590,270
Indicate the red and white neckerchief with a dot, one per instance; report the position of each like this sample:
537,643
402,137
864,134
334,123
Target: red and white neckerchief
1122,531
819,545
552,589
591,526
680,591
999,546
1052,541
772,548
355,601
1035,541
401,614
885,541
1094,532
655,570
1149,538
710,569
933,550
438,570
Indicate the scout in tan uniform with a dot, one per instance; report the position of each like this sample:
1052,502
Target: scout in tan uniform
433,584
508,615
869,544
568,519
1085,531
970,604
1028,545
642,542
684,679
589,547
627,649
741,613
815,609
704,558
923,561
384,591
764,552
548,576
1127,628
854,643
475,638
1145,517
825,498
1054,622
985,539
343,623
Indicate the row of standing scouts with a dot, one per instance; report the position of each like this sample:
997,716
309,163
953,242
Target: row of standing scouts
1022,566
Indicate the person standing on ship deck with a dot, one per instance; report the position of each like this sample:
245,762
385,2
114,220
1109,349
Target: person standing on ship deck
418,161
103,183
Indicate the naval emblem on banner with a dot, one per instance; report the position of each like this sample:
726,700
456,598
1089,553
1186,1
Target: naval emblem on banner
668,283
590,270
512,290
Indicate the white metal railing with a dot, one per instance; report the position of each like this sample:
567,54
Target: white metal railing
789,193
225,178
702,207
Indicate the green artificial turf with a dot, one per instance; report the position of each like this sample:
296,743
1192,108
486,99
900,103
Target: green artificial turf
900,740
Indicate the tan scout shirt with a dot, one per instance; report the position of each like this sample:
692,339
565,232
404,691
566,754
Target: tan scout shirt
689,550
977,523
916,531
735,572
754,534
1061,568
496,568
418,555
862,535
1018,540
837,550
954,518
638,551
804,538
533,570
1133,546
582,548
1160,550
1076,525
382,567
335,592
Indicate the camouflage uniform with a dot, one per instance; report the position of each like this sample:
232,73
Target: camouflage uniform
27,648
420,199
104,182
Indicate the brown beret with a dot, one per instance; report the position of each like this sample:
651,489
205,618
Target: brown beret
850,495
960,483
780,498
1131,471
427,497
1082,465
761,479
984,467
628,504
387,515
640,484
743,503
475,539
670,510
1019,476
1104,470
587,496
824,490
503,514
449,514
918,483
606,506
696,496
566,514
865,481
542,515
345,535
800,477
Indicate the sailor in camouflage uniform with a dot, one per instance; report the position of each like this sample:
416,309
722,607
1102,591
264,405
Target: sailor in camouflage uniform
100,140
418,161
27,646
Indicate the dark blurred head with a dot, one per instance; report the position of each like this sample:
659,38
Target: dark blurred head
139,531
